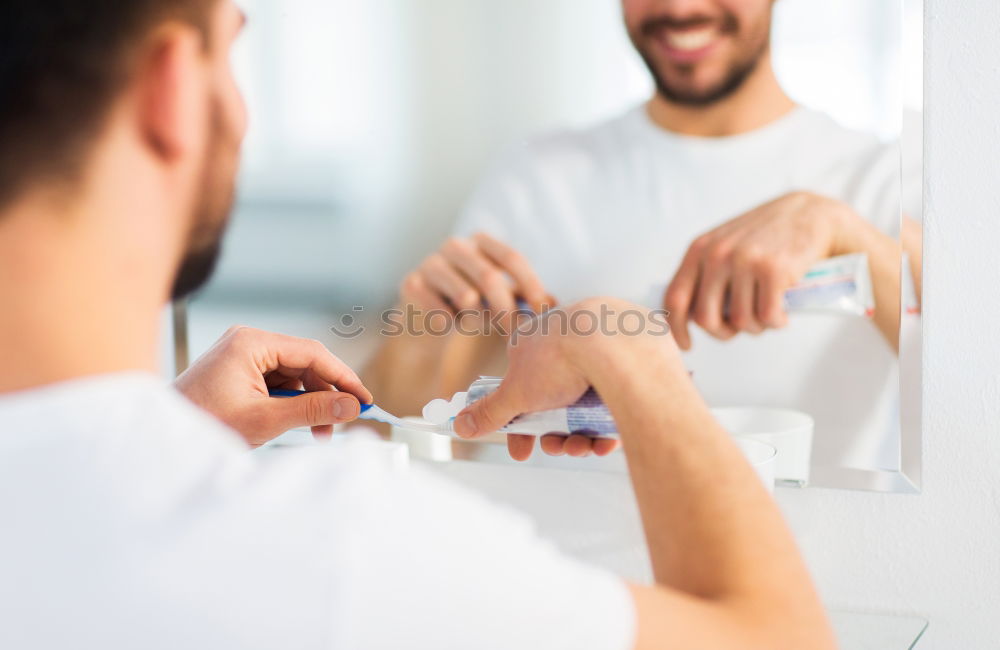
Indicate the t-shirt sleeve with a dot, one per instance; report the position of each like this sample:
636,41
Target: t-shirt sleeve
529,199
441,567
503,200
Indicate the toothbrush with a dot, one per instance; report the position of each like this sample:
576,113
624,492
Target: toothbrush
373,412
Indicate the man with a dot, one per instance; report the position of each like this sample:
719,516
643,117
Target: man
710,200
133,519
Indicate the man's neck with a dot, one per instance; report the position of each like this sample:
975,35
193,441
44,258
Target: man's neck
758,102
70,305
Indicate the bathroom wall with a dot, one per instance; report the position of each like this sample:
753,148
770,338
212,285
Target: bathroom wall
938,553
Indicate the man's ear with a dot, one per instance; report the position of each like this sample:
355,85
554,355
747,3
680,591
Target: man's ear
172,93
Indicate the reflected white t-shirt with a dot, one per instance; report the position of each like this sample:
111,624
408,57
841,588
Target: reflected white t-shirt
131,519
611,210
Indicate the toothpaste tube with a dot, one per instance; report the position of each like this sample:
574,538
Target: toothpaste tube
588,416
840,284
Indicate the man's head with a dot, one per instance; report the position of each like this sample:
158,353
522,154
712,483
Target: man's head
138,89
699,51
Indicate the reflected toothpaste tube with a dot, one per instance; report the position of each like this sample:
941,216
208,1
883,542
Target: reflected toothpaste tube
839,285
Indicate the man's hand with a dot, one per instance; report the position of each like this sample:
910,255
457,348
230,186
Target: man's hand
471,275
232,380
457,307
551,369
733,278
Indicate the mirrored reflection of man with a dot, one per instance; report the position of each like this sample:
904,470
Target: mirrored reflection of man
710,200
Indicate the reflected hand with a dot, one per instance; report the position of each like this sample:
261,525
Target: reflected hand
551,369
231,381
734,277
466,274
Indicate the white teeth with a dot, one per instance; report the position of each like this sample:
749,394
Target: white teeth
690,40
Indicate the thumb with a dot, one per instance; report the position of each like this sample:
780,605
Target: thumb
313,409
486,415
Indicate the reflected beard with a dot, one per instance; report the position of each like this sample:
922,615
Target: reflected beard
737,74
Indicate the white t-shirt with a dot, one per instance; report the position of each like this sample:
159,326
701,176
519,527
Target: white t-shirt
130,519
611,210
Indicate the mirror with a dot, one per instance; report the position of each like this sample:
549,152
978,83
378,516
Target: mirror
378,129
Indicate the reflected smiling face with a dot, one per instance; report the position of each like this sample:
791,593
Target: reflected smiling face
699,51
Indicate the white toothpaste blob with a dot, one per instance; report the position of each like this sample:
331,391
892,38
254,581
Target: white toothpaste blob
439,411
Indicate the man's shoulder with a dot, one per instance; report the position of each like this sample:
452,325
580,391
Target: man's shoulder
821,131
152,496
134,446
872,173
102,409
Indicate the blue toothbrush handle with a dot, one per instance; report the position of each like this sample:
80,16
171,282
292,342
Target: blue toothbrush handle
285,392
289,392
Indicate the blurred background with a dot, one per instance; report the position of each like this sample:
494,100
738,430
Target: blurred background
370,121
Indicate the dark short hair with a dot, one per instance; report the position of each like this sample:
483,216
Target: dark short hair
62,64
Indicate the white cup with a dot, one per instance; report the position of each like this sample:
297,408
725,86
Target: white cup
761,456
789,432
423,445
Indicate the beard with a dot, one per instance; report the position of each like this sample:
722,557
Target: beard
210,216
684,93
196,270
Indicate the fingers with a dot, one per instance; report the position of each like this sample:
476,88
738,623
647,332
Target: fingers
680,295
292,357
445,279
528,286
604,446
310,382
306,382
487,414
327,367
492,284
558,444
468,274
416,291
320,409
742,308
709,303
552,444
770,301
322,432
577,445
478,269
520,446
